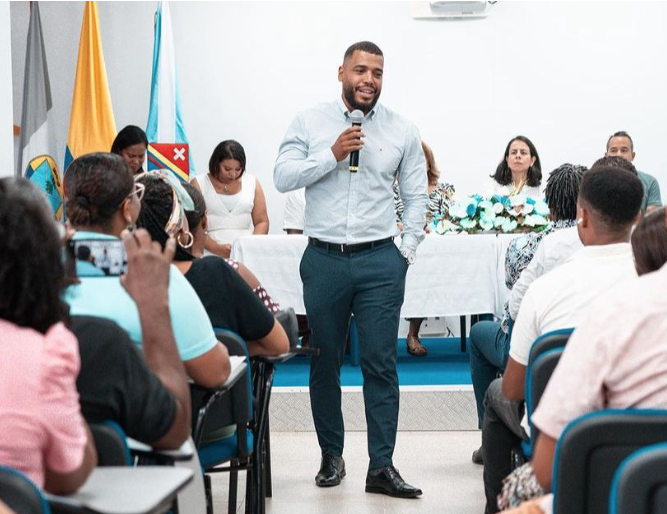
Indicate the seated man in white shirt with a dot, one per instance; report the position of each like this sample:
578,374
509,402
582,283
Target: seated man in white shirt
608,207
555,249
295,208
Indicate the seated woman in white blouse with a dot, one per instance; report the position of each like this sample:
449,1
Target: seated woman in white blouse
520,171
235,202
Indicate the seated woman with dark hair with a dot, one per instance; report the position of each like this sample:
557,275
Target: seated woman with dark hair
234,199
101,201
519,172
42,432
649,242
131,144
228,300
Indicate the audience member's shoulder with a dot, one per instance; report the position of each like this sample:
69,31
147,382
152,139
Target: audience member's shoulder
569,235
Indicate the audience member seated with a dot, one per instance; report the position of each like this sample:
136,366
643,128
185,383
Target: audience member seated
295,209
440,196
520,171
556,248
131,144
42,432
234,200
620,144
228,300
615,359
649,242
101,200
489,340
608,207
148,396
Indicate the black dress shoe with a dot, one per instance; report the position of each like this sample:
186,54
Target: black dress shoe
388,481
332,470
478,456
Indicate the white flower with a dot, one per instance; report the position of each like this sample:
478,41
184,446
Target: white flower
486,223
509,225
533,220
498,207
518,200
458,210
468,224
541,208
499,221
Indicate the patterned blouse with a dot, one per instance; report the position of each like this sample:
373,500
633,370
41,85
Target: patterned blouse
519,254
439,201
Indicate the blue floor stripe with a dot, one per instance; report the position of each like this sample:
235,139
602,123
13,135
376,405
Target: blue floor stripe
444,365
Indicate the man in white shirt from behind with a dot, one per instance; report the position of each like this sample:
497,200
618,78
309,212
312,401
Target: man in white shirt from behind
608,207
295,208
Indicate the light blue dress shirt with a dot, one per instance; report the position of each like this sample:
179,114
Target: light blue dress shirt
350,208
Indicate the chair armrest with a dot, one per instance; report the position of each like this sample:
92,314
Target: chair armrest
139,449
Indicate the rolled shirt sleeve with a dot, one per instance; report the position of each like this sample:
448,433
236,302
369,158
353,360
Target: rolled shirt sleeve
413,187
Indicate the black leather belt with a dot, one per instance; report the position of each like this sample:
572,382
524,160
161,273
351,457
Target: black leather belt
343,248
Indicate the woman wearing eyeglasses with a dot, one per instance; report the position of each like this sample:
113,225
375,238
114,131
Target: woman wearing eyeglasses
101,200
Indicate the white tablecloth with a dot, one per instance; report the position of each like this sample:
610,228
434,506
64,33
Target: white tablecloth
453,275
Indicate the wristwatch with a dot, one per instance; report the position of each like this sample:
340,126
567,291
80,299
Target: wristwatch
408,256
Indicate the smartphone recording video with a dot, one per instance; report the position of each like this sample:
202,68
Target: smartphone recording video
99,257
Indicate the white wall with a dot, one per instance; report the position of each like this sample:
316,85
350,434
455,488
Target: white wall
6,118
566,74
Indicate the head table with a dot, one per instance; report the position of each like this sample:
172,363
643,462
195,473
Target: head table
453,275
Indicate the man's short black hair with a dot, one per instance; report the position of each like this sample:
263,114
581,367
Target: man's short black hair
82,253
615,162
362,46
613,194
621,133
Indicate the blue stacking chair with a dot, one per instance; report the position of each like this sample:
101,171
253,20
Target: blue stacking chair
213,409
640,482
20,493
590,450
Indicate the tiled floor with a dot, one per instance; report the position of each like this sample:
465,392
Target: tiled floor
437,462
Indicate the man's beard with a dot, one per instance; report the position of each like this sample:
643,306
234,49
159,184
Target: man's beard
348,93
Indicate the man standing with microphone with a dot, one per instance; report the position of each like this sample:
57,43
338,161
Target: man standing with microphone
351,265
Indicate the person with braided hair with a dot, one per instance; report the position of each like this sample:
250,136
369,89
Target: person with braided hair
101,200
229,301
489,348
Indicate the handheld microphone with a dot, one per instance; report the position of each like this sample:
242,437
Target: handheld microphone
356,117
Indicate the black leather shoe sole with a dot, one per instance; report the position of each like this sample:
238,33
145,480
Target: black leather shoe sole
375,489
332,481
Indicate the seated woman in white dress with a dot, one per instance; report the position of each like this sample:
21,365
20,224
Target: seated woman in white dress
235,202
520,171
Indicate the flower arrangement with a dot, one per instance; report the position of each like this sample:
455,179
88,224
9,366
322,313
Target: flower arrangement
507,214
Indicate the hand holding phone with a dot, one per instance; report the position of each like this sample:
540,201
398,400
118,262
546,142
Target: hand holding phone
148,266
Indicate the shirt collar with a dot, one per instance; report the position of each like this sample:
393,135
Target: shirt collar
597,251
84,234
346,112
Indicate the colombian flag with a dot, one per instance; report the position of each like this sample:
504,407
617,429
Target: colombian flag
91,124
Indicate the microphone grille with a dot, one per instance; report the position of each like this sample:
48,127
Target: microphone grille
357,116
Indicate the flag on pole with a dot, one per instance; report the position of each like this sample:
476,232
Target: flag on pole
37,143
165,121
91,124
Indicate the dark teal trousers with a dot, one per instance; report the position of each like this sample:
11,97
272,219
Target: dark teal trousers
369,284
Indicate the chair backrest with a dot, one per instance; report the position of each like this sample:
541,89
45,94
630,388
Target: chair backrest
640,482
20,493
537,377
549,341
213,409
590,450
111,444
287,318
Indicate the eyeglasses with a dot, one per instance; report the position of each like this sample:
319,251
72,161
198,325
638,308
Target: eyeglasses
139,190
